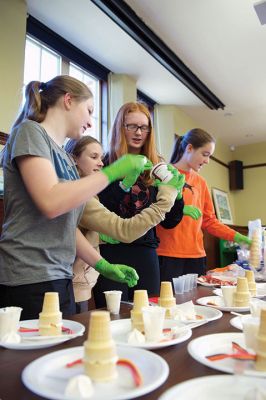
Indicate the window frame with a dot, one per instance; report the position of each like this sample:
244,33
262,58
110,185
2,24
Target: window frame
71,53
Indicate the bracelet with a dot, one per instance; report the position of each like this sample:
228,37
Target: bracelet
122,186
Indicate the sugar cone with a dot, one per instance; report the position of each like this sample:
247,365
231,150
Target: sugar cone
140,300
242,295
260,363
50,319
251,282
100,355
166,299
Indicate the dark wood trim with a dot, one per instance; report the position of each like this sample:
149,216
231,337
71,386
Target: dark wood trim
3,138
254,166
126,18
219,161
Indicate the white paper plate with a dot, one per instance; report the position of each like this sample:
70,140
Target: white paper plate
219,304
261,291
217,343
211,314
220,387
47,376
236,322
121,328
32,340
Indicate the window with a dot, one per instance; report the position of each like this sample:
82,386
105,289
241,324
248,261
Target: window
93,85
42,64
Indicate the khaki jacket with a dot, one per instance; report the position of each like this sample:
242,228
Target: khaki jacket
97,218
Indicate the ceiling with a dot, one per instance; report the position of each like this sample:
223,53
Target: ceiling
221,42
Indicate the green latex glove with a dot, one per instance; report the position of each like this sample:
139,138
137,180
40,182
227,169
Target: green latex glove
177,181
125,165
129,180
108,239
242,239
192,212
117,272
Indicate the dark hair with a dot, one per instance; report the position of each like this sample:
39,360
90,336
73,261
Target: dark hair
76,147
40,96
196,137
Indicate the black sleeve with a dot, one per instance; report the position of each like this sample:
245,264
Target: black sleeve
174,216
112,196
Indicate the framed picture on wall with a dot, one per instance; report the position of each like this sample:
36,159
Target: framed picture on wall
222,206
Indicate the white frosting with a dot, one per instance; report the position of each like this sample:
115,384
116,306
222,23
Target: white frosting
11,337
256,394
135,336
79,387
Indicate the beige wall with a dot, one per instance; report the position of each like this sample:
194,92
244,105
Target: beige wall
250,203
121,89
12,48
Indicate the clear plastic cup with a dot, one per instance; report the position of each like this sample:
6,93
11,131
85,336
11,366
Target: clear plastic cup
191,281
256,305
179,284
9,320
195,279
113,300
228,295
250,330
153,318
187,283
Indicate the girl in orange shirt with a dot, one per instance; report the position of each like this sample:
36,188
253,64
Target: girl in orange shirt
181,249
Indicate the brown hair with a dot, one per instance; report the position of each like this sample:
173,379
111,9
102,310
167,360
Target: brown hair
196,137
40,96
118,144
76,147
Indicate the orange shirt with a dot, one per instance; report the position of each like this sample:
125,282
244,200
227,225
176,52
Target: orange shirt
186,239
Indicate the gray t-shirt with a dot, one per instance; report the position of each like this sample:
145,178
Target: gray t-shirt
34,248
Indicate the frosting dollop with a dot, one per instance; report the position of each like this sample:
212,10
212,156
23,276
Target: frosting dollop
135,337
79,387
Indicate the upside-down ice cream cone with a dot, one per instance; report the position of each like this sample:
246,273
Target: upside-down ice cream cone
260,363
50,319
140,300
242,295
251,282
166,299
100,355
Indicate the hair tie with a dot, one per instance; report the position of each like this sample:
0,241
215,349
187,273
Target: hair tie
43,86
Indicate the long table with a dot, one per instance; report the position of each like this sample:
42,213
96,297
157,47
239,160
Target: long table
182,365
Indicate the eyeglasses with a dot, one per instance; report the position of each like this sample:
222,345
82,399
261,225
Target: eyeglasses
134,128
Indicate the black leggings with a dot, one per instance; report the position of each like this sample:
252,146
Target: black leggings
144,259
172,267
30,297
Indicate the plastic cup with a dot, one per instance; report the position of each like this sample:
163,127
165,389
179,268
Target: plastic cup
9,320
256,305
113,300
228,295
191,281
187,283
179,284
153,318
250,330
195,278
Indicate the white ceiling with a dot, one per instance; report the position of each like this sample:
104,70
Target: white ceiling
221,41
